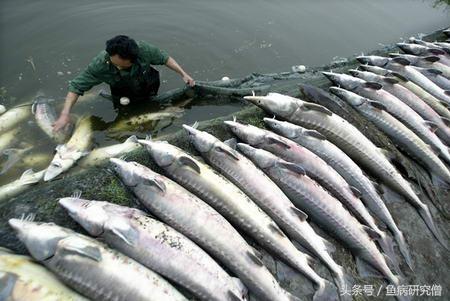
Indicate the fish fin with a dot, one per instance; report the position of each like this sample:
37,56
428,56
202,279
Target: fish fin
124,231
447,92
132,139
189,162
26,173
378,105
404,249
33,108
366,270
392,263
355,191
76,194
446,121
391,80
431,58
433,71
302,215
330,247
243,291
433,126
344,282
156,183
425,213
276,140
437,51
316,107
232,142
399,76
378,187
92,253
315,134
255,259
292,297
274,228
326,292
373,85
232,296
7,283
195,125
446,105
401,61
372,233
387,154
293,167
229,152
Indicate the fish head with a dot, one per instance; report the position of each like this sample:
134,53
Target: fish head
131,173
89,214
248,133
275,103
202,141
375,69
282,128
413,49
162,152
350,97
259,157
41,239
373,60
364,75
343,80
63,160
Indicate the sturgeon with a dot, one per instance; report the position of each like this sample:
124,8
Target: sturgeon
90,267
157,246
429,62
401,66
252,181
394,106
377,113
439,106
435,76
315,168
45,115
14,116
202,224
347,168
68,154
21,278
28,178
392,86
8,138
350,140
422,50
324,210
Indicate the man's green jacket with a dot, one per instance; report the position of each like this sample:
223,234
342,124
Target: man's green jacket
101,70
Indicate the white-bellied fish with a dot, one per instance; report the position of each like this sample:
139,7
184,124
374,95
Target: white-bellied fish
13,117
90,267
28,178
429,62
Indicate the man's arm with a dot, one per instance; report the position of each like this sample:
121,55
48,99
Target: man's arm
64,117
172,64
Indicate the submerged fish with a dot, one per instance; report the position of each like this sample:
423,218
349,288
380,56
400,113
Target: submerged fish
315,168
349,139
22,279
399,133
45,115
90,267
402,66
324,210
239,209
14,155
439,106
69,153
157,246
8,138
394,106
28,178
343,164
102,154
392,86
11,118
194,218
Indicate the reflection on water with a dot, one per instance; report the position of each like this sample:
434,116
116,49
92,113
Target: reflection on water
44,44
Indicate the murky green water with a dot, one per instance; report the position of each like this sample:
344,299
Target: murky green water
210,39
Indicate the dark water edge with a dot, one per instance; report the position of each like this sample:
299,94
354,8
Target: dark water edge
430,259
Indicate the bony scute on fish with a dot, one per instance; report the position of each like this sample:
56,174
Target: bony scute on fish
90,267
155,244
69,153
202,224
22,279
237,207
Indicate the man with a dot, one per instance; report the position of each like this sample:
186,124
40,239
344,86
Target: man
126,66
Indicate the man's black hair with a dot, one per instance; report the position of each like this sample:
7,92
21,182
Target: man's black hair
124,46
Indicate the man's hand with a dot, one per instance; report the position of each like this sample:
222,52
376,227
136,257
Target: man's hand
62,122
188,80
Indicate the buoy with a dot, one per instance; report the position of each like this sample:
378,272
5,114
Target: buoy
2,109
124,101
299,68
225,78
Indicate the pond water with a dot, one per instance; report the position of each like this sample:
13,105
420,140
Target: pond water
46,43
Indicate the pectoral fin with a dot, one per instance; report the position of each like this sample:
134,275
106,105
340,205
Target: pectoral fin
377,105
255,259
155,183
276,140
316,107
189,162
372,233
231,153
315,134
366,270
373,85
92,253
293,167
302,215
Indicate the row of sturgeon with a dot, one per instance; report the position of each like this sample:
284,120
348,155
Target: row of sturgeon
268,186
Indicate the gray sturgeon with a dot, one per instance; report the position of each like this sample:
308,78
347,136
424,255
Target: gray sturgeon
157,246
429,62
202,224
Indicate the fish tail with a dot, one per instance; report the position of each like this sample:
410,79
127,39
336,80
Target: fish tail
344,282
425,213
387,245
326,292
404,249
292,297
